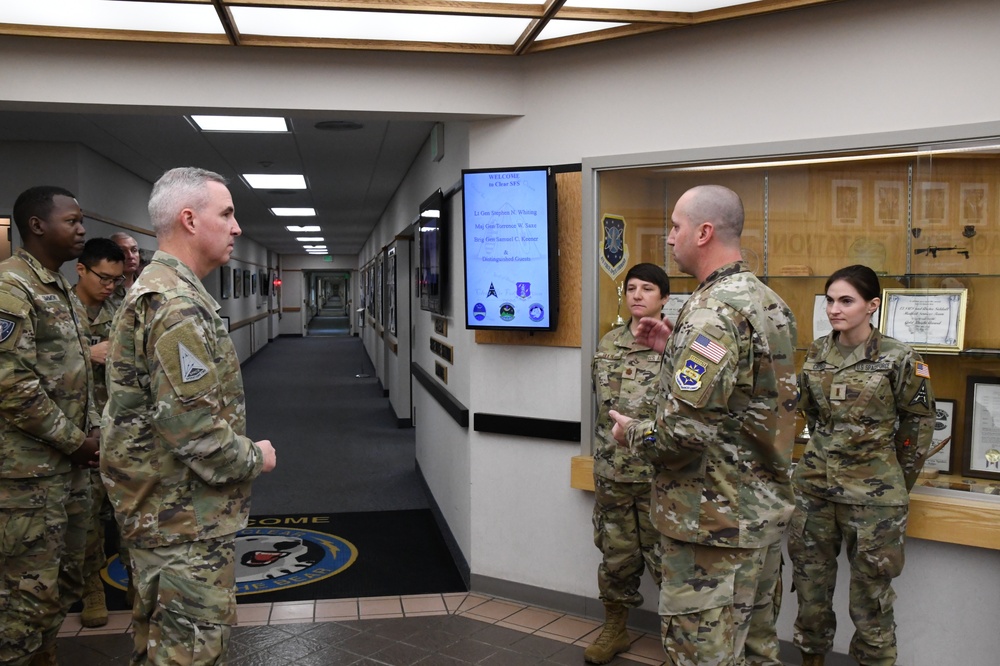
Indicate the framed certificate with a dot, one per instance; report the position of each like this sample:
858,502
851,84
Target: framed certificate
982,428
929,320
944,426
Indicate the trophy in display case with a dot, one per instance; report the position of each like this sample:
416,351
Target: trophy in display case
618,318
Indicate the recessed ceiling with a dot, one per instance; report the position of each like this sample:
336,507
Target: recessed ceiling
510,27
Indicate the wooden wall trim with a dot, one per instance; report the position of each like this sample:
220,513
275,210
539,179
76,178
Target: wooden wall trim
448,402
248,321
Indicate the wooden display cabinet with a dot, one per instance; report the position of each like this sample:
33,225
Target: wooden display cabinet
921,220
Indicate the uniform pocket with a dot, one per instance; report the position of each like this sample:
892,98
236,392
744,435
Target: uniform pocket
22,521
198,601
880,547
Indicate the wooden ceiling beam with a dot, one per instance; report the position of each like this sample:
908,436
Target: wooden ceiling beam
489,9
226,19
376,45
536,26
112,35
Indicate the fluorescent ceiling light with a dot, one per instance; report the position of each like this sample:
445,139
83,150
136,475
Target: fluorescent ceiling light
275,181
186,17
378,26
310,239
240,123
692,6
430,212
557,28
294,212
307,228
314,247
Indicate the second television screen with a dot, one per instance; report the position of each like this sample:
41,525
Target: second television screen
510,254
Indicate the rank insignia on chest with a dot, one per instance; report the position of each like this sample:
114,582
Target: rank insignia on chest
688,378
629,372
838,392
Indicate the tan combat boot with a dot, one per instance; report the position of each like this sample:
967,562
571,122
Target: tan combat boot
95,608
812,659
614,636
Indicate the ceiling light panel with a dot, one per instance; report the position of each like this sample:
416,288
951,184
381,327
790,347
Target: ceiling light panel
556,28
294,212
275,181
310,239
692,6
115,15
306,229
380,26
240,123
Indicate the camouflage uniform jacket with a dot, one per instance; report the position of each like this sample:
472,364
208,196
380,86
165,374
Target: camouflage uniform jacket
626,379
857,454
46,385
726,421
98,330
174,453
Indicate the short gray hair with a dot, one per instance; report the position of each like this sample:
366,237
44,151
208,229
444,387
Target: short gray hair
719,205
177,189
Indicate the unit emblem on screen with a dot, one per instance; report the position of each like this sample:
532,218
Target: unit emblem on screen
479,311
523,290
536,312
492,292
507,312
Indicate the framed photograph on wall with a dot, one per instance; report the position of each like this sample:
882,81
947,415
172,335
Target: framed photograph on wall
932,203
390,286
846,196
225,282
982,428
890,203
253,282
237,283
944,426
974,200
246,282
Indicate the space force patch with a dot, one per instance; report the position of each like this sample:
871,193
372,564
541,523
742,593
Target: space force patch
191,368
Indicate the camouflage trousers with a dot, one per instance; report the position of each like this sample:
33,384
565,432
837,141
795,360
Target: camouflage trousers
874,539
102,517
626,537
707,598
762,645
185,602
43,529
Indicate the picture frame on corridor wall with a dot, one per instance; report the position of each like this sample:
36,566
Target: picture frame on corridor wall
944,427
929,320
982,428
225,282
846,195
237,283
246,282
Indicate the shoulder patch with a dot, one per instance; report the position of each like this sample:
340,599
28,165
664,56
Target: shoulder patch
920,397
922,370
185,360
6,328
708,348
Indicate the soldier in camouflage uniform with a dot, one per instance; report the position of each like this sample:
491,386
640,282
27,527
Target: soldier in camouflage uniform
626,378
175,457
48,435
99,270
721,441
870,409
132,260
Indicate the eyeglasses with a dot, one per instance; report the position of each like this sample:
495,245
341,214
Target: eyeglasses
106,280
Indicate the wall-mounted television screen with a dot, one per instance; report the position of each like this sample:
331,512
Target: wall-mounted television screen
433,238
511,251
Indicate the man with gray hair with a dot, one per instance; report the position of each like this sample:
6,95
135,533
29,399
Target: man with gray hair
132,259
175,457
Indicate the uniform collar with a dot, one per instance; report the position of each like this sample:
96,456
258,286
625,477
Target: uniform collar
626,340
725,271
185,274
868,350
44,274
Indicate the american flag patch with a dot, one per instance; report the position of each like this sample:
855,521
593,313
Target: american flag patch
923,370
710,349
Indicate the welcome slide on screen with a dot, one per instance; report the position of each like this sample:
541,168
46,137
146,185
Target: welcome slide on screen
506,249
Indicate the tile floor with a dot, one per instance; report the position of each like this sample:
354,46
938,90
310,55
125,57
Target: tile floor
430,630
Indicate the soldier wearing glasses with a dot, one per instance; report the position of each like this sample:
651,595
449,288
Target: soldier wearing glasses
100,269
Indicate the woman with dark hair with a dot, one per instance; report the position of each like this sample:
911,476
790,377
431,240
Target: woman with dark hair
868,402
626,379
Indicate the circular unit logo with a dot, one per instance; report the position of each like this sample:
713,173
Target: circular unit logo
536,312
479,311
273,558
507,312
